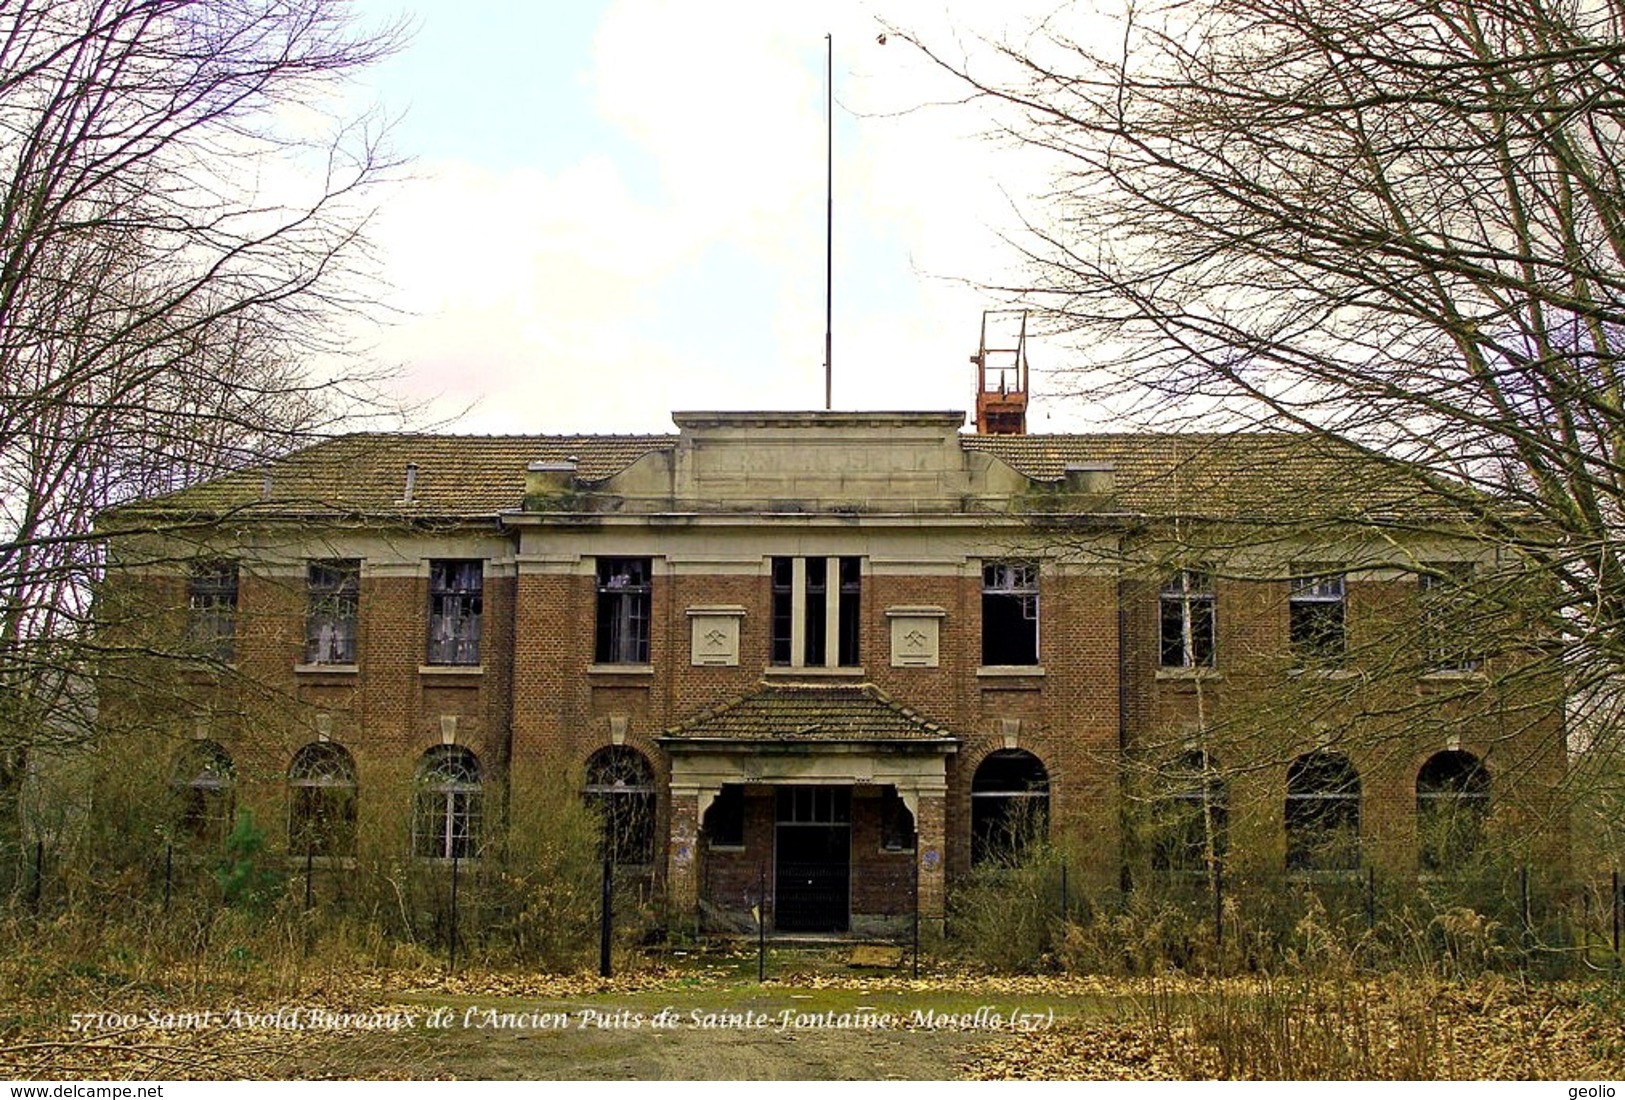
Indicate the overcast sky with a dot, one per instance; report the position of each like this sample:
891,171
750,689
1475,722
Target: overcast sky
616,208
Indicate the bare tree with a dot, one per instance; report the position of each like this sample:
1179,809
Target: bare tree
1397,228
180,223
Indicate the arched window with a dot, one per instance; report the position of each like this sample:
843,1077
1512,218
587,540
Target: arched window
446,811
1322,813
1452,801
1009,806
321,801
1189,815
621,787
205,790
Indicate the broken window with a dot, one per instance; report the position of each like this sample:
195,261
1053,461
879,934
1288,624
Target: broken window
334,593
816,609
1009,807
1186,606
447,810
623,611
1322,813
322,801
621,788
211,604
1452,803
1189,816
204,784
456,602
725,818
1316,615
1446,617
1010,613
896,822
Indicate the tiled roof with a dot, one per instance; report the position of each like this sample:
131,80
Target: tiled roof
458,475
1243,473
810,713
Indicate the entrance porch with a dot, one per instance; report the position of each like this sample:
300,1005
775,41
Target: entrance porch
820,808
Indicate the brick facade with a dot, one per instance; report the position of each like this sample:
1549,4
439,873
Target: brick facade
1099,710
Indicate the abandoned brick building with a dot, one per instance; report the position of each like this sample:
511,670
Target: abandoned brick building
841,652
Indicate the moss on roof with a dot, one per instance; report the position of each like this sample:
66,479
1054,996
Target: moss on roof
462,477
811,713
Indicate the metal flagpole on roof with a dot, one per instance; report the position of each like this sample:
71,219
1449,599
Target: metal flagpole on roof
829,217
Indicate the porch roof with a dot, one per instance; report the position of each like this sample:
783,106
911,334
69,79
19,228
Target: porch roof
810,714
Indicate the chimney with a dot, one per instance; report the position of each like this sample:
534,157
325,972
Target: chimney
411,483
549,483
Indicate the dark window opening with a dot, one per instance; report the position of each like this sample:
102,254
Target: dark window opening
322,801
211,603
1316,617
896,822
1010,613
623,611
815,806
850,593
621,788
1009,807
813,619
446,813
1190,817
725,818
204,784
1322,813
783,582
330,619
1452,804
456,603
1187,633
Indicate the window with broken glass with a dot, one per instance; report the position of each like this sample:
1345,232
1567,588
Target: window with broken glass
322,801
621,788
623,611
447,809
211,603
204,783
1316,610
1010,613
1187,635
456,603
334,594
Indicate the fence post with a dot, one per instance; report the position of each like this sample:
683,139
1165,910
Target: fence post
39,873
917,905
761,922
1523,906
1370,898
606,915
1218,904
455,864
1615,907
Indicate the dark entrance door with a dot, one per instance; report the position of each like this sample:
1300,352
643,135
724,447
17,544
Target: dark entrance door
813,863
